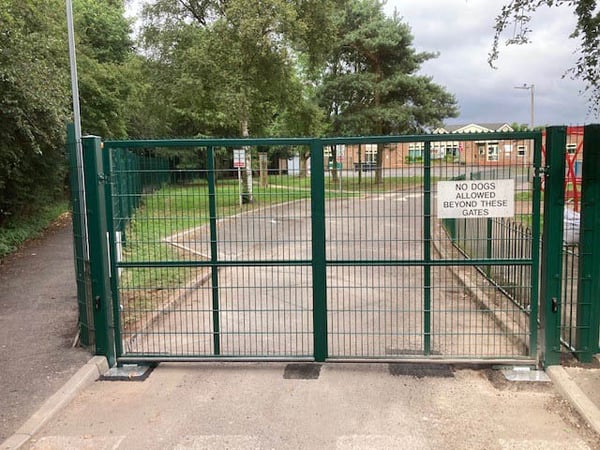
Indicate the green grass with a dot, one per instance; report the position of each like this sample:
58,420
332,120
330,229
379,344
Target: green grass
15,231
176,208
351,185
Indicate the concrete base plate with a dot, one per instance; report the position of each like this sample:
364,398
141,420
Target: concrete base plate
525,374
127,372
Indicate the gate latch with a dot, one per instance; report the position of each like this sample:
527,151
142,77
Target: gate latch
554,304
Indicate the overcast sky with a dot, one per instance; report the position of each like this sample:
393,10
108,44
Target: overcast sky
461,31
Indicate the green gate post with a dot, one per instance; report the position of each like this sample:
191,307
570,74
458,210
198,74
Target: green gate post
427,249
588,301
98,243
214,251
551,281
319,263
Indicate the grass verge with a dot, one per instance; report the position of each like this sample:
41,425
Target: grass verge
16,230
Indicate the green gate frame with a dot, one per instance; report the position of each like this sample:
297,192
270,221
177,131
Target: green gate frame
104,269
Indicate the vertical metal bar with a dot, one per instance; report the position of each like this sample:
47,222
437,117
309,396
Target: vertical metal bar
427,249
214,256
83,294
99,264
554,199
588,301
114,271
319,264
77,123
535,244
489,240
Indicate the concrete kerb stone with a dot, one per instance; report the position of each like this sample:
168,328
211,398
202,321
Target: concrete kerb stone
570,391
85,376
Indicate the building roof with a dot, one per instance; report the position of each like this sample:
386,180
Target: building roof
475,127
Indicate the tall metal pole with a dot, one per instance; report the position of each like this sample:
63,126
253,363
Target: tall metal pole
77,123
531,88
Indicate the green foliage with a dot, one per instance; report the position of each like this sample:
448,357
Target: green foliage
33,86
35,100
16,230
516,15
370,85
105,81
239,58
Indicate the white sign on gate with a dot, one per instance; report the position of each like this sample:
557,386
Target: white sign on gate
239,158
475,199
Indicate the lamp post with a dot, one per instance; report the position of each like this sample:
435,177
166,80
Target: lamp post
531,88
77,124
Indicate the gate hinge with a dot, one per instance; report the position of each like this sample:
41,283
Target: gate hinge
543,170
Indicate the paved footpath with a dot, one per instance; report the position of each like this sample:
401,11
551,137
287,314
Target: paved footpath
38,323
344,406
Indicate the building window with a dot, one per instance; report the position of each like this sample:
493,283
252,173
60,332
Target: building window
415,150
481,148
492,151
521,151
571,149
370,153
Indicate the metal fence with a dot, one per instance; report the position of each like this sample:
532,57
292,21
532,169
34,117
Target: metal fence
355,269
579,312
337,264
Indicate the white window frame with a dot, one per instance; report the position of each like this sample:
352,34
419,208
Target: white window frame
492,151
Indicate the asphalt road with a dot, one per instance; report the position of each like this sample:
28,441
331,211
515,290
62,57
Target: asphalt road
372,311
38,323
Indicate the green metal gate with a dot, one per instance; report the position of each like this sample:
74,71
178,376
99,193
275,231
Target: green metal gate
348,263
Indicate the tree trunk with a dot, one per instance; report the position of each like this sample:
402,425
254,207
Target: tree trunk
359,164
334,171
303,158
379,126
247,174
263,164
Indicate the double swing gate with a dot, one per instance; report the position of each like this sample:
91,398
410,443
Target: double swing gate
378,248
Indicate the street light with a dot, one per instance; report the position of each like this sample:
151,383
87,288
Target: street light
531,88
77,123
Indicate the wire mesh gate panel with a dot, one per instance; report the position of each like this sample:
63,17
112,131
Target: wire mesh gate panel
348,262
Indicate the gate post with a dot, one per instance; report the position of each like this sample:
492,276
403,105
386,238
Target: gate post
588,302
552,244
98,243
319,263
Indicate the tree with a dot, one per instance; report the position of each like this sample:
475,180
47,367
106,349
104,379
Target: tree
587,30
33,89
237,57
103,51
371,85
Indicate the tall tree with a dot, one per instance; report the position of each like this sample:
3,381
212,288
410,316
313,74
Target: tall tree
517,14
371,84
33,110
104,49
238,57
